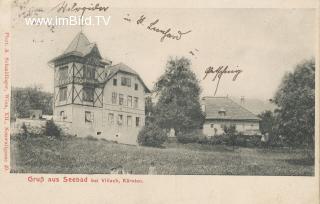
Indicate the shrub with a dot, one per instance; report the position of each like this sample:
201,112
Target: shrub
52,129
192,136
151,135
188,137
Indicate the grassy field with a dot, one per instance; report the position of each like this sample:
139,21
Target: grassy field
88,156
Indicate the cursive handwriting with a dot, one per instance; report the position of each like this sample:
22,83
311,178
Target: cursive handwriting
219,72
166,33
65,7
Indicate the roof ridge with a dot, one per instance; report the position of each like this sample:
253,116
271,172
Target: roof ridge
78,40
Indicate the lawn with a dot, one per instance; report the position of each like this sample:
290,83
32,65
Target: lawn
89,156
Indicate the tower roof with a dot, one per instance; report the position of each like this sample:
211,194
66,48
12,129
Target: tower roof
79,46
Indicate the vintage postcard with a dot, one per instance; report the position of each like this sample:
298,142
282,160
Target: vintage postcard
172,102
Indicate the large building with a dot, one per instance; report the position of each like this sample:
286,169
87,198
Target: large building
222,111
95,97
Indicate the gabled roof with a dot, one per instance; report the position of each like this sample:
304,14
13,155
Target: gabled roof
233,111
79,46
121,67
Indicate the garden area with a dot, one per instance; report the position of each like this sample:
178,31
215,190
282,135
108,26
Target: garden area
43,154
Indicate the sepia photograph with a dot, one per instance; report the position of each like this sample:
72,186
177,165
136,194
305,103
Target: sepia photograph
97,89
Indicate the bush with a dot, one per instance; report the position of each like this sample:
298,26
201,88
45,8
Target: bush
52,129
151,135
194,136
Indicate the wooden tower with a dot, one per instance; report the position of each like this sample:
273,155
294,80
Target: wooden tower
79,74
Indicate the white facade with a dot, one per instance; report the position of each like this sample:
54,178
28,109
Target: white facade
95,98
215,127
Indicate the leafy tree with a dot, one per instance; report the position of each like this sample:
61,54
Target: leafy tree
178,89
231,132
149,110
268,124
25,99
151,135
296,105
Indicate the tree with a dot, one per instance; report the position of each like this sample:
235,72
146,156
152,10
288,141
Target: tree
149,110
151,135
178,89
232,134
268,124
296,105
25,99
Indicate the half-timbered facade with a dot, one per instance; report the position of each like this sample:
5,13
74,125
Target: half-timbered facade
97,98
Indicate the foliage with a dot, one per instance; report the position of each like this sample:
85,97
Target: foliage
232,134
72,155
296,101
151,135
51,129
149,111
190,137
267,122
25,99
268,125
178,106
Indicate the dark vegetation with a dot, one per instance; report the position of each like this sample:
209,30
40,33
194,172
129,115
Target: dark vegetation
25,99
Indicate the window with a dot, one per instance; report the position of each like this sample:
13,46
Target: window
126,81
88,94
137,121
120,119
111,118
129,121
135,103
62,93
63,72
211,125
88,72
114,82
136,87
129,101
222,112
114,97
120,99
88,117
63,115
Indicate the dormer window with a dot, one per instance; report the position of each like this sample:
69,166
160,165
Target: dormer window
222,112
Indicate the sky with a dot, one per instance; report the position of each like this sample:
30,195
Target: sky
263,43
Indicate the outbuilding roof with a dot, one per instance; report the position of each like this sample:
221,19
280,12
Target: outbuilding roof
231,110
